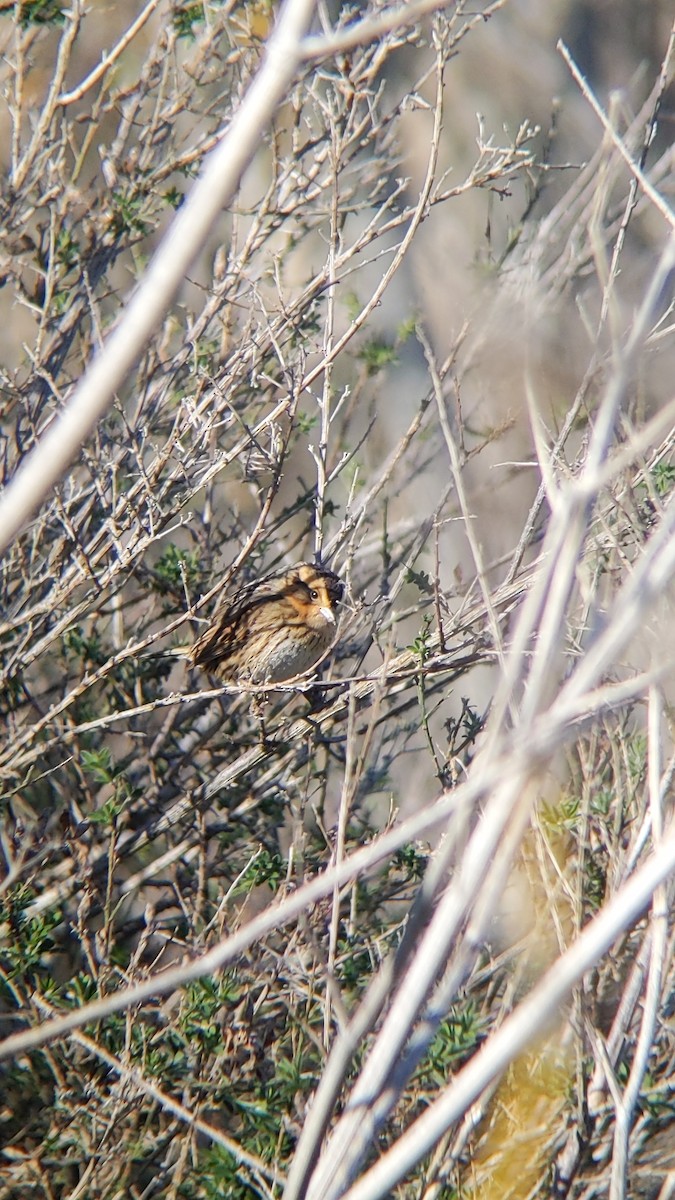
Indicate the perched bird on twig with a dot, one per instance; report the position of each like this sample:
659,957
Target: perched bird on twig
272,629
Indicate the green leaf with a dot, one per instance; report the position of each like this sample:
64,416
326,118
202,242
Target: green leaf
41,12
98,764
185,16
377,354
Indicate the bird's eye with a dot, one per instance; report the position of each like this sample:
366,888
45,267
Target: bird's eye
314,594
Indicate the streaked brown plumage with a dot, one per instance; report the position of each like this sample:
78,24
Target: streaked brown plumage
272,629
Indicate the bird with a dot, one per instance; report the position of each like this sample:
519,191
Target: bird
272,629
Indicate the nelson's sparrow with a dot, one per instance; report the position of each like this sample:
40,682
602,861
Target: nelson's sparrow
272,629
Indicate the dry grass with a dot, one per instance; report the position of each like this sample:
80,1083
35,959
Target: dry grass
416,943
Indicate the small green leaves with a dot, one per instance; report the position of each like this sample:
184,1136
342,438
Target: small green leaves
174,567
41,12
174,197
663,476
78,645
126,213
420,646
29,938
378,354
306,421
422,580
185,16
99,764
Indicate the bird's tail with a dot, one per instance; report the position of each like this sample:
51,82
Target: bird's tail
172,652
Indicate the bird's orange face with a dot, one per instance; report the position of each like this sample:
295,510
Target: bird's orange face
313,593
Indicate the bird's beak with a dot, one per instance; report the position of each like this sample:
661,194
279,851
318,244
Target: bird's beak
328,614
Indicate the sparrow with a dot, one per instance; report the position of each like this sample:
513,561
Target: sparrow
272,629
